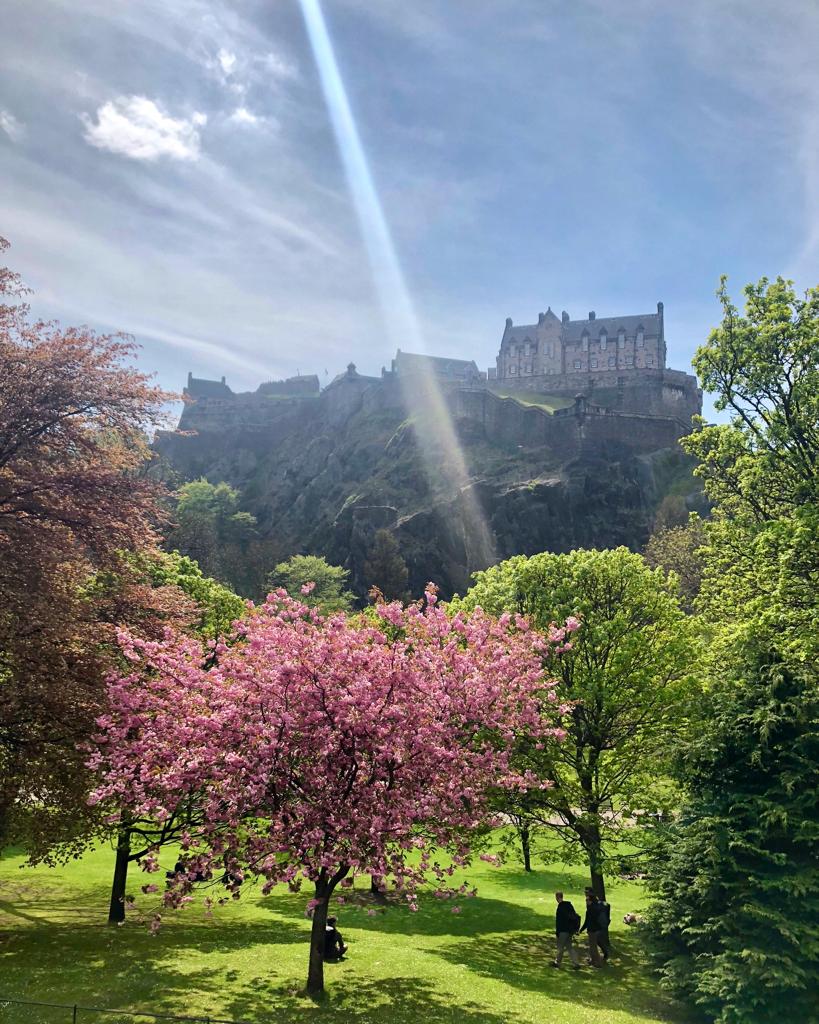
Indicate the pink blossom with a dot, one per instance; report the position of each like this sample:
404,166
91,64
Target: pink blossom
314,748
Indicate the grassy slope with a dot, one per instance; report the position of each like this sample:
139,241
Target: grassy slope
487,965
548,402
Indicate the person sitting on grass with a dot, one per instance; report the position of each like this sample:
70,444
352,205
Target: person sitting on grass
567,921
334,948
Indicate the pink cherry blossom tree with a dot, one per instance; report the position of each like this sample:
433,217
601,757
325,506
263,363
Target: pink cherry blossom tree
317,748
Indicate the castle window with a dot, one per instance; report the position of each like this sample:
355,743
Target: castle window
584,341
649,360
513,369
612,360
577,364
641,340
621,339
594,363
604,339
629,360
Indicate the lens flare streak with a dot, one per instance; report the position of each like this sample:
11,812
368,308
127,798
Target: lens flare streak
436,433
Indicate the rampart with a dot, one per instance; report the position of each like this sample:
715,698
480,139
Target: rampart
582,429
645,391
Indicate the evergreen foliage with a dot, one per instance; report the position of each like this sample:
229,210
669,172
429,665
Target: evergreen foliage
385,568
737,878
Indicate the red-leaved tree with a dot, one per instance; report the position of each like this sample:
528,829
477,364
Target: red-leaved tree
73,421
320,748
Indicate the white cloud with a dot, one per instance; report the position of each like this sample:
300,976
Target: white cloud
227,61
245,118
11,126
136,127
278,66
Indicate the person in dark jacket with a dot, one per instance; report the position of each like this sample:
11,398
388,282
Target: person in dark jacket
566,922
604,920
334,948
591,925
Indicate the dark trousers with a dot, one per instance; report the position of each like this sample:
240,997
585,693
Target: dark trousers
594,948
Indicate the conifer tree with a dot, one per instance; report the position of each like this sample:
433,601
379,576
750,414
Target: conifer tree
386,569
736,880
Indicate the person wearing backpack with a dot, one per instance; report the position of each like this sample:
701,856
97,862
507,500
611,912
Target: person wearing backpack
603,921
567,922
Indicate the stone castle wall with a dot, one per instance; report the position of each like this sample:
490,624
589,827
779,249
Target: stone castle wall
576,432
646,391
665,401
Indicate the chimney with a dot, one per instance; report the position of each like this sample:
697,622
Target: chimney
592,315
660,308
541,317
508,322
190,378
223,380
564,316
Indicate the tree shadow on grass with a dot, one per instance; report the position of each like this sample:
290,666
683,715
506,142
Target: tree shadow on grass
434,916
399,1000
522,959
125,968
129,969
542,880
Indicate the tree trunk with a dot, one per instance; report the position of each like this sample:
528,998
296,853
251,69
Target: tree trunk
116,911
524,843
376,890
595,853
315,970
324,890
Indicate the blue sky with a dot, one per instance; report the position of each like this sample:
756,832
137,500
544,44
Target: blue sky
169,168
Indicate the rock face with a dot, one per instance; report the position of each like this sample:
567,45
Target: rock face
322,474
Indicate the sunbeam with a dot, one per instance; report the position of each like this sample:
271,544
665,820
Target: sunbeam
441,450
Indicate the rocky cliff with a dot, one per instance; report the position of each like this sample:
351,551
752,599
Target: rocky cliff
323,473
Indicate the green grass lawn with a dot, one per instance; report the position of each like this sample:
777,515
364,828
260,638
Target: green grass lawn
487,965
547,402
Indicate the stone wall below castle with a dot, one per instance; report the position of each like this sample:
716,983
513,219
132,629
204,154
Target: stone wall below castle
576,433
646,392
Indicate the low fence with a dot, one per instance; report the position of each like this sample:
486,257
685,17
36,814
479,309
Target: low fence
22,1011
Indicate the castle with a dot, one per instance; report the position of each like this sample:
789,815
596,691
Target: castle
553,347
607,366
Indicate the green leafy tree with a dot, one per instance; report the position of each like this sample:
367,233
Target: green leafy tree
327,593
736,879
763,367
678,549
216,606
211,529
627,676
385,568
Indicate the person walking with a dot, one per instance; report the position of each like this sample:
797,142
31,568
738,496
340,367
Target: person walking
604,920
567,921
591,925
